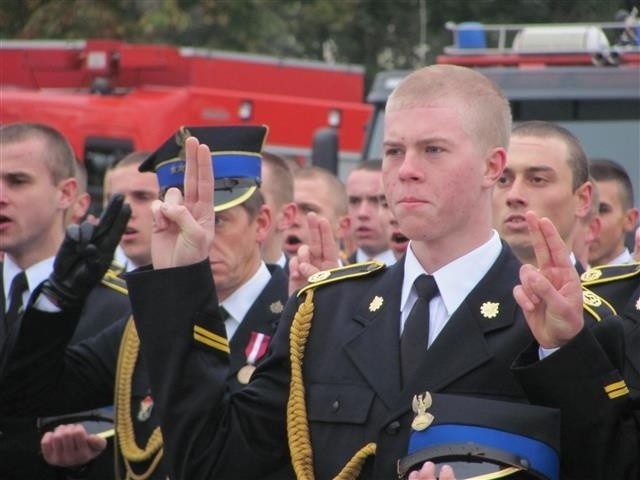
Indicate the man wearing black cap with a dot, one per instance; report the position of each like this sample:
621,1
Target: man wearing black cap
334,394
251,295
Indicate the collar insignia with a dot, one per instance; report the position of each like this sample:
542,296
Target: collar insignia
276,307
376,303
490,309
591,299
590,275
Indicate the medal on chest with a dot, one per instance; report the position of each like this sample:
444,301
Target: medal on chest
255,349
146,405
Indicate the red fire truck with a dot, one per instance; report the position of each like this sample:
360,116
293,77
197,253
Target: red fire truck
109,98
585,77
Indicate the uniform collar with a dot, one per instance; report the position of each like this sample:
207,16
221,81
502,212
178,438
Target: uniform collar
456,279
36,274
282,261
240,301
387,257
622,259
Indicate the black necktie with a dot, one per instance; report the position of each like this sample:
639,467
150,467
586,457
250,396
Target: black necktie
18,287
415,335
224,314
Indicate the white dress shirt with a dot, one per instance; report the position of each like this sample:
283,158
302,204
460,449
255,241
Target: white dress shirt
36,274
455,281
622,259
387,257
240,301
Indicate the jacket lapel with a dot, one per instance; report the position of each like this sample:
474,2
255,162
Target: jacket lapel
375,348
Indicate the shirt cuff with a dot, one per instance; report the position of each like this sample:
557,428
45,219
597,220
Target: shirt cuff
44,304
545,352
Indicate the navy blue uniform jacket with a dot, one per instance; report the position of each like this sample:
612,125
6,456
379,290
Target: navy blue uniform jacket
351,376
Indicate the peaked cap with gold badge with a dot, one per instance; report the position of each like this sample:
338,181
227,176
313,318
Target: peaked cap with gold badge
484,439
235,157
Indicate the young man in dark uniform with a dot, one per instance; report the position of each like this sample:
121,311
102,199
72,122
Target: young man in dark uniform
343,370
83,376
38,189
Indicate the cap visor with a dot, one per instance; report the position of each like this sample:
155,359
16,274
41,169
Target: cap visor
225,199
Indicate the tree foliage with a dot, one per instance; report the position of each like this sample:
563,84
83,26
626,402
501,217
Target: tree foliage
379,34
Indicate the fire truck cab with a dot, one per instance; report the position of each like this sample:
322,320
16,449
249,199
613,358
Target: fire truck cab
578,75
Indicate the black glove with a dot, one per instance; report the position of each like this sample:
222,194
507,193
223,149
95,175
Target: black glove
85,255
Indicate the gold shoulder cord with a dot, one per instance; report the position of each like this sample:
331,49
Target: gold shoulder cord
297,424
125,437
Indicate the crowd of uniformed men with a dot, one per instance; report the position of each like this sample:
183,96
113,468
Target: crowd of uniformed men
472,299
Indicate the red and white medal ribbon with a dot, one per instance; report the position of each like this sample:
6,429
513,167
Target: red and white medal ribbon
257,347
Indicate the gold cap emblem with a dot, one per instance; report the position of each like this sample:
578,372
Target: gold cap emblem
376,303
421,402
591,274
490,309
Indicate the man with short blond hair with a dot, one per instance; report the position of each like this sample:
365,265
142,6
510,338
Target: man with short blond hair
139,190
360,346
277,188
317,190
368,232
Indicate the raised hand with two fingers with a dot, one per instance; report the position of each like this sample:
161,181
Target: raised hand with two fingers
320,254
183,225
550,296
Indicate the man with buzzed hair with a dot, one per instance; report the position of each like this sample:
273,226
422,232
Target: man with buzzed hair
617,213
78,210
362,346
38,190
317,190
546,172
368,232
587,228
139,190
277,189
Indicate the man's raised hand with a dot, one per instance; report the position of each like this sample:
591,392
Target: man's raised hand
320,254
183,226
550,295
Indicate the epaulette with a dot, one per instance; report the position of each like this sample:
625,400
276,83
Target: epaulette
117,267
597,306
354,270
609,273
113,281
